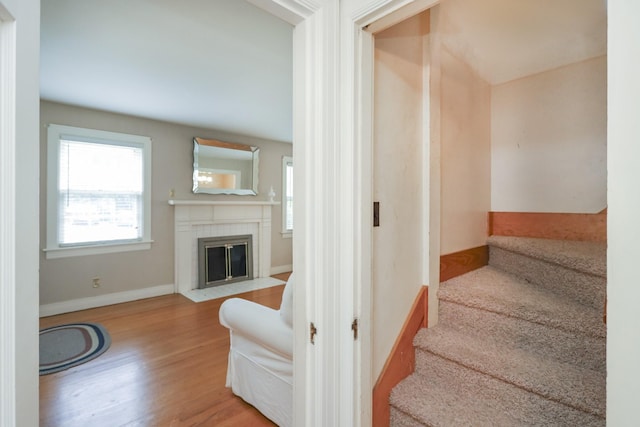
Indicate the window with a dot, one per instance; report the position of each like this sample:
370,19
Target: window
287,196
98,193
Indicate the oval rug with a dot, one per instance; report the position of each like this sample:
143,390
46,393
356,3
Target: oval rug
65,346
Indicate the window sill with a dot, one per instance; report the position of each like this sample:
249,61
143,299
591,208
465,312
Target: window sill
287,234
54,253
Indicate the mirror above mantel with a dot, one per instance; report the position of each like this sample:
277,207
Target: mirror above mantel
224,167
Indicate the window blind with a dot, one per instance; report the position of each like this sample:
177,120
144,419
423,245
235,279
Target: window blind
100,192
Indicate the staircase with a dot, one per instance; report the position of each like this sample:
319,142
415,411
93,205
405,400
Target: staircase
520,342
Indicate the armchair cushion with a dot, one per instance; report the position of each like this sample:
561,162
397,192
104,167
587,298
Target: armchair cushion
262,325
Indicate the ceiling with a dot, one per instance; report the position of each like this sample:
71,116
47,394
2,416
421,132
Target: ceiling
503,40
227,65
217,64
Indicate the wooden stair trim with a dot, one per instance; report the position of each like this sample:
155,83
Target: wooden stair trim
559,226
401,361
462,262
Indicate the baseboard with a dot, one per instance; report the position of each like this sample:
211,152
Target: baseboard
102,300
561,226
281,269
402,360
462,262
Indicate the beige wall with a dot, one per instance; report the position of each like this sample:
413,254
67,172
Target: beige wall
549,143
172,147
465,155
398,167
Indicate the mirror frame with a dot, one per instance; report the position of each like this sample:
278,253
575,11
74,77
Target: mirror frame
232,146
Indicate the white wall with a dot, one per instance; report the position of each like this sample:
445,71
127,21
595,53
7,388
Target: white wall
465,155
398,168
19,177
623,227
549,142
67,279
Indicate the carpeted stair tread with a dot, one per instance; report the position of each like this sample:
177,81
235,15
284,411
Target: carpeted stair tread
496,291
545,341
398,418
444,393
586,257
584,288
520,342
562,382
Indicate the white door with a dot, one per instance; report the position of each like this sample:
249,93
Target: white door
394,144
398,168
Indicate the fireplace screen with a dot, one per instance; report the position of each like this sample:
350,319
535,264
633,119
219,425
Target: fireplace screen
223,260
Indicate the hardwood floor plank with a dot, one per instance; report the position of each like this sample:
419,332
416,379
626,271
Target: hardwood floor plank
166,367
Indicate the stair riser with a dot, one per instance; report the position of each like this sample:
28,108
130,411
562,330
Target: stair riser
580,350
584,288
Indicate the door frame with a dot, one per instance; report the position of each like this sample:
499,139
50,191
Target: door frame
19,217
7,217
357,137
317,371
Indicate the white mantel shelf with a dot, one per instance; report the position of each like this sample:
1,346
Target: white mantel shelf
222,203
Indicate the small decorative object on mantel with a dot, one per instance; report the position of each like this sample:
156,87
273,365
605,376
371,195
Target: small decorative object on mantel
271,194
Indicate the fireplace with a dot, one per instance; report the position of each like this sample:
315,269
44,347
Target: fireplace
224,260
196,219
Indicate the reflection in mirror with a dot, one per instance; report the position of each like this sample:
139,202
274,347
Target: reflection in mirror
224,167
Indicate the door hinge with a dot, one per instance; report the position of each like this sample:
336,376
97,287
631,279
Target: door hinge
312,333
354,328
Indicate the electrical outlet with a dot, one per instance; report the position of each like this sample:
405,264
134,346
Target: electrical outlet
96,282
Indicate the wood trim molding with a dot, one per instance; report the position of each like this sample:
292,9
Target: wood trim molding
104,300
459,263
561,226
401,361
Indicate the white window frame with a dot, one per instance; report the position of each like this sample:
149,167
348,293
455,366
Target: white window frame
54,134
286,232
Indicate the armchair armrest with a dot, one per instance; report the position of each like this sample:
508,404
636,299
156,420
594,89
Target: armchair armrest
258,323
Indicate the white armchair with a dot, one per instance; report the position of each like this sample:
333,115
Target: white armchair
260,368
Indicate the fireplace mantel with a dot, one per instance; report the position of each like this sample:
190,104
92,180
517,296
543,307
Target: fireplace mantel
206,218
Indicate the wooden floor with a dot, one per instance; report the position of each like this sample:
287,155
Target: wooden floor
166,366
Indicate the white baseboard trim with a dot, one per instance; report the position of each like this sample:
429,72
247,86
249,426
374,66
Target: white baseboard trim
281,269
102,300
